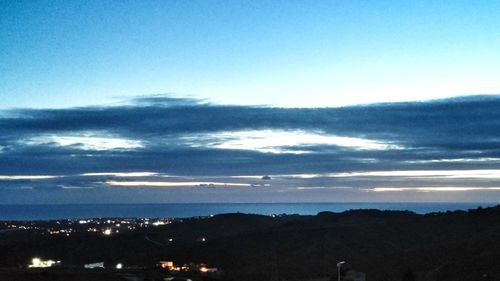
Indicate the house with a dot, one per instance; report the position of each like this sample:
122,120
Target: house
166,264
94,265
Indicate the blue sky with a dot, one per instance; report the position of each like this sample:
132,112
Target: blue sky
283,53
194,101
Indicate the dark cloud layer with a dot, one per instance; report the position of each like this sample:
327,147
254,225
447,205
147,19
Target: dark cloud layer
182,137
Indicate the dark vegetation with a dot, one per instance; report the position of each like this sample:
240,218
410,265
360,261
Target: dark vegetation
386,245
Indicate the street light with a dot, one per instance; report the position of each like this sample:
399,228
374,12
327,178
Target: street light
338,268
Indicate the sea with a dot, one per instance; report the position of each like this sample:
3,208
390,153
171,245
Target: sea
81,211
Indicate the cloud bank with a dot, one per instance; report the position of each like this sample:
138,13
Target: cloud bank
52,154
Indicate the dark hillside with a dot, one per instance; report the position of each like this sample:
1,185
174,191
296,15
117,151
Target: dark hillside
383,244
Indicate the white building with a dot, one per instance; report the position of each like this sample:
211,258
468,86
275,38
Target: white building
94,265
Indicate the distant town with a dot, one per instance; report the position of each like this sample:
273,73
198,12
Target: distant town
105,227
96,226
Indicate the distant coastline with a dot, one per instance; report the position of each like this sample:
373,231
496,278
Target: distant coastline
186,210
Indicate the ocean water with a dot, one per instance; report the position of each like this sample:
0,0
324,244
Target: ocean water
46,212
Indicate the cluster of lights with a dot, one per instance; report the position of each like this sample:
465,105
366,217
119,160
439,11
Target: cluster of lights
20,227
105,227
161,222
202,268
66,232
39,263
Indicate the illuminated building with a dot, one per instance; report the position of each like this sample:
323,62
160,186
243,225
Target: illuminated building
166,264
39,263
94,265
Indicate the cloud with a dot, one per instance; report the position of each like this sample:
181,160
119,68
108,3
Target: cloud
321,187
73,187
84,141
279,141
27,177
118,174
457,160
153,137
457,174
433,189
161,100
175,184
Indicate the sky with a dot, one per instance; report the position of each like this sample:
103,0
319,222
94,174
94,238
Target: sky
195,101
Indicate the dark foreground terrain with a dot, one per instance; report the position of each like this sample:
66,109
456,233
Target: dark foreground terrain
385,245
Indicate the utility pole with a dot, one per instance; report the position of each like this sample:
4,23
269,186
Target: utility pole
339,265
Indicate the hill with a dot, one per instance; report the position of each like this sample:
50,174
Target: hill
384,244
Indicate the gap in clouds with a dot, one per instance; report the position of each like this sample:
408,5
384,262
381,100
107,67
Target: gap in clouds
280,141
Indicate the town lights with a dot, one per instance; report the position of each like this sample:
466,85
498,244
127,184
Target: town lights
39,263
